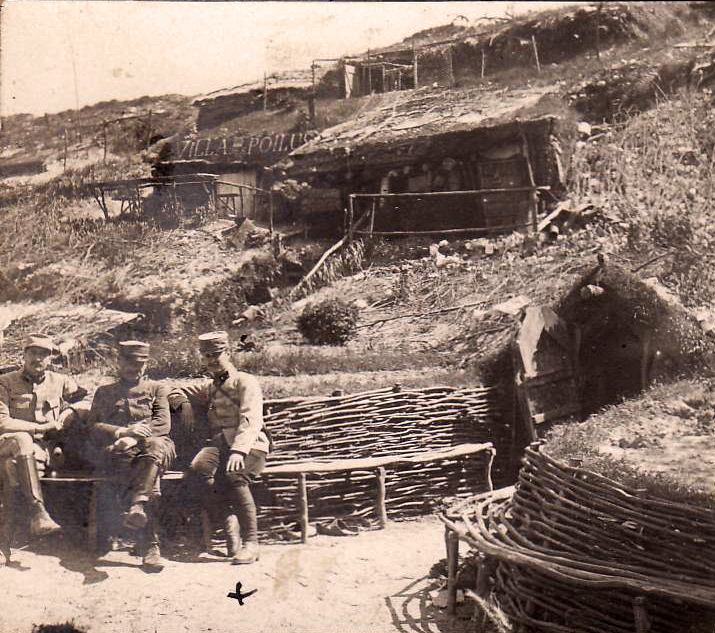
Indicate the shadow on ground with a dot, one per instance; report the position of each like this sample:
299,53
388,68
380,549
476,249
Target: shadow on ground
413,611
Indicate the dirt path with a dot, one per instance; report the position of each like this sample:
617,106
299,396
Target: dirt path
374,582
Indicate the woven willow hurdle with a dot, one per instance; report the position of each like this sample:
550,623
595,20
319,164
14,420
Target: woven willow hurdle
368,455
574,551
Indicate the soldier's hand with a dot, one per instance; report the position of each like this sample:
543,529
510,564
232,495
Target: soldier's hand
65,417
139,430
235,462
50,425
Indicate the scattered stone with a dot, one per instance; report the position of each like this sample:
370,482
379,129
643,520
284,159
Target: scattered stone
513,306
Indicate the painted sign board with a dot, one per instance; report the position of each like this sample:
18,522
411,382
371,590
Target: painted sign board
260,149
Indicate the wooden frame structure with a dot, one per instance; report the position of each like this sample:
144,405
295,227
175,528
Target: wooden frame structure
478,195
130,194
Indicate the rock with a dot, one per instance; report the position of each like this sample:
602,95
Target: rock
513,306
584,129
360,304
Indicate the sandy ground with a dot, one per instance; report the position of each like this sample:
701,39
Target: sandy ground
373,582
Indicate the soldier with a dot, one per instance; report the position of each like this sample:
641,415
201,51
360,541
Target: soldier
33,402
236,452
131,421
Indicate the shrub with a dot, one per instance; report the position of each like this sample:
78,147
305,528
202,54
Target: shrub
329,322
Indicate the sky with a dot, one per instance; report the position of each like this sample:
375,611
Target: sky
63,54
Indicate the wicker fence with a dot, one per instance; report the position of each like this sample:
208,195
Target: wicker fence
381,423
575,551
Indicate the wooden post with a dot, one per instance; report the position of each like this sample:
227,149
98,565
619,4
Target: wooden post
598,30
490,463
414,66
265,92
484,62
452,80
382,67
640,615
270,212
64,159
104,137
452,564
148,132
303,507
369,71
532,183
380,505
311,101
92,517
372,216
351,215
483,586
536,53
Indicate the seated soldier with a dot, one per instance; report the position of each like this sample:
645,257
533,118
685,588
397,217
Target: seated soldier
236,452
130,420
33,402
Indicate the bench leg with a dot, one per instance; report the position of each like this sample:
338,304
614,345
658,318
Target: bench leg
452,563
92,518
380,502
206,529
303,507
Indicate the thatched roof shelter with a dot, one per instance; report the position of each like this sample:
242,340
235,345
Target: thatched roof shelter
624,334
426,123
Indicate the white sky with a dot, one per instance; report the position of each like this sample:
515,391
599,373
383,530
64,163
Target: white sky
60,54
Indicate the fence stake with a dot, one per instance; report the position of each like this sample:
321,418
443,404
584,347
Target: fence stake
351,215
452,80
270,212
536,54
372,216
303,507
640,614
452,563
381,508
414,66
484,62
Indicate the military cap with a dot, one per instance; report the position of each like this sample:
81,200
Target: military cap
40,340
213,342
134,350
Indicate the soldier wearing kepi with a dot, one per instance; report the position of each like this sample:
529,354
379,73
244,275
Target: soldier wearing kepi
33,402
236,452
130,418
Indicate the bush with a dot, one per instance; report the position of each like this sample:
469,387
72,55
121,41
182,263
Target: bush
330,322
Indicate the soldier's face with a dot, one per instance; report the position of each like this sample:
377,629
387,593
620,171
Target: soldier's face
130,369
214,362
37,360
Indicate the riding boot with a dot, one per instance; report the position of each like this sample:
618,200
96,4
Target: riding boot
8,523
245,508
41,524
152,561
143,478
233,540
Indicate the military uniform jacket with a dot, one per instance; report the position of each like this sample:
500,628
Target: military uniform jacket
43,401
124,403
235,408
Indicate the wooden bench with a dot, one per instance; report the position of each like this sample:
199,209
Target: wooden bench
300,470
94,481
378,464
